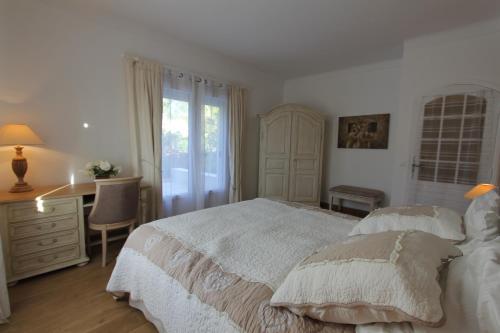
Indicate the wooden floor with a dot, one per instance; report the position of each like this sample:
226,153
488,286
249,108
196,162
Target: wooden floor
72,300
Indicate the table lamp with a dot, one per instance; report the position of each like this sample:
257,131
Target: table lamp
479,190
17,135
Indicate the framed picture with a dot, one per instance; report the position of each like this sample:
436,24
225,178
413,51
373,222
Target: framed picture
364,132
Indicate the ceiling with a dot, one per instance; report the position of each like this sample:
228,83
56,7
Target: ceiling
297,37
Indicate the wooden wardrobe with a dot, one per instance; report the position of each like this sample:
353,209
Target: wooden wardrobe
291,154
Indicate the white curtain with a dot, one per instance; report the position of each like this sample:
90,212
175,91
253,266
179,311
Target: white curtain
4,295
145,88
195,143
237,112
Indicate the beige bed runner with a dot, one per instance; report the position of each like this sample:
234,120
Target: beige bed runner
245,303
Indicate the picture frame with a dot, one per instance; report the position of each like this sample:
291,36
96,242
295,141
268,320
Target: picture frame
364,132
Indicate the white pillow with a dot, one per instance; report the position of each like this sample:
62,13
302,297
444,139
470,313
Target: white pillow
385,277
482,219
440,221
471,292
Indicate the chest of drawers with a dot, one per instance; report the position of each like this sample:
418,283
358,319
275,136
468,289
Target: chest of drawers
39,236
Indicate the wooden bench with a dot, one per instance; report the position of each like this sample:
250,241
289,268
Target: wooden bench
357,194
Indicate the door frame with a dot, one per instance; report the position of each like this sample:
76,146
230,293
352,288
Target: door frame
416,133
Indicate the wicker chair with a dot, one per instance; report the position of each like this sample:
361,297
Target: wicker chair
116,206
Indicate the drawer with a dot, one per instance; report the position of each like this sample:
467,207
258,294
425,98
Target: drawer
44,259
42,226
46,242
34,210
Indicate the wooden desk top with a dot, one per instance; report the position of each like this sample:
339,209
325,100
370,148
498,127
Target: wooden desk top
51,192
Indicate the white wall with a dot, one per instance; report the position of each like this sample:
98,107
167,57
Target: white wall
360,90
60,68
470,55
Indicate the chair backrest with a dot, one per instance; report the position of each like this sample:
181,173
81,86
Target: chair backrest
116,200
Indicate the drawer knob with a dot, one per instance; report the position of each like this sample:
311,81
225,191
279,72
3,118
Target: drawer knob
53,225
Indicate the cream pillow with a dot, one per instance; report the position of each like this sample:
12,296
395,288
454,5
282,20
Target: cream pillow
482,218
385,277
440,221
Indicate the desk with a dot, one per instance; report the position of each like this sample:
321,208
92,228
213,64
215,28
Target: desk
44,230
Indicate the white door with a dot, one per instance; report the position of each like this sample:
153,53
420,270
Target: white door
274,161
305,152
455,148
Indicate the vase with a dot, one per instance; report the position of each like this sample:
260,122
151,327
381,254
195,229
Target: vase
102,177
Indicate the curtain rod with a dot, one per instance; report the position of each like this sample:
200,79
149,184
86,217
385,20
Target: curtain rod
177,69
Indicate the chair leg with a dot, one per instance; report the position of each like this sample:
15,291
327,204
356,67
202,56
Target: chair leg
104,241
87,242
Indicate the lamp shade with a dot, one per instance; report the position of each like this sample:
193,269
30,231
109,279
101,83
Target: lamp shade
17,134
479,190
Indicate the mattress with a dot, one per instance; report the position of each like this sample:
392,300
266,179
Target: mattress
215,270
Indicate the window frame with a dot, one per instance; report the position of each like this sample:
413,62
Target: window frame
459,163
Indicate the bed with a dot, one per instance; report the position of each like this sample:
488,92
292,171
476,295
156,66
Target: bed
215,270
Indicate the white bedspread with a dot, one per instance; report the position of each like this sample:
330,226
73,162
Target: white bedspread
259,241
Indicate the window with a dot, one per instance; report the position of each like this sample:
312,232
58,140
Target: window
175,141
215,149
451,140
194,145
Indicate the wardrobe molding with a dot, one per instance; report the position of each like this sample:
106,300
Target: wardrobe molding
291,154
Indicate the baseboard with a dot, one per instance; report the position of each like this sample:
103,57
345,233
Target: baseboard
346,210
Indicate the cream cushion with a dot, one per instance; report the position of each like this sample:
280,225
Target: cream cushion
384,277
440,221
482,220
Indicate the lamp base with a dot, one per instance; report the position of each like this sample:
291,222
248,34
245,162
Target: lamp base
19,188
20,166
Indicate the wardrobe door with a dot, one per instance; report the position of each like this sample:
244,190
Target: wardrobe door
305,155
274,165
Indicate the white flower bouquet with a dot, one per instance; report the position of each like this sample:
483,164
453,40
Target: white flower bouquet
101,169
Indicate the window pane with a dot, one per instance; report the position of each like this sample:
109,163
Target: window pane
175,129
454,105
428,150
451,128
467,174
433,108
446,172
473,128
448,151
212,126
426,171
431,128
475,105
471,151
